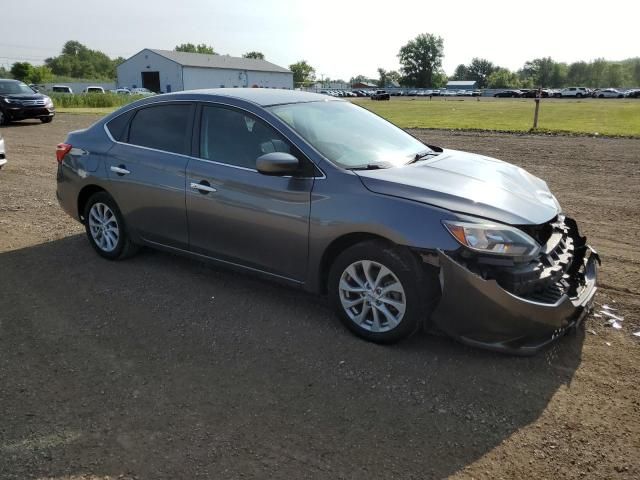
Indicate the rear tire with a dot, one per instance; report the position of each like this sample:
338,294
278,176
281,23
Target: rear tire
105,227
381,292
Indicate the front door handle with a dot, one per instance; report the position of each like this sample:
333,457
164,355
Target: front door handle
203,187
120,170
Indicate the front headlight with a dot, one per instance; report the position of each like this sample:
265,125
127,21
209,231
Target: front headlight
493,239
6,100
48,102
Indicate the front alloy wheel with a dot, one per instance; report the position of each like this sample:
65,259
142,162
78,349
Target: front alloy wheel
382,292
372,296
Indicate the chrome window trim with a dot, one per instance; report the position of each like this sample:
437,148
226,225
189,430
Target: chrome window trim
106,129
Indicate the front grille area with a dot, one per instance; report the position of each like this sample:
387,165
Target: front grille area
556,271
33,103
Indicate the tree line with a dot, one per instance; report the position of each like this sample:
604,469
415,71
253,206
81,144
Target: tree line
420,60
78,61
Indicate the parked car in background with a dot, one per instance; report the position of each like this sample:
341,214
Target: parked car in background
449,93
61,89
3,155
508,94
608,93
380,95
532,93
476,93
121,91
577,92
19,102
145,92
633,93
92,89
398,234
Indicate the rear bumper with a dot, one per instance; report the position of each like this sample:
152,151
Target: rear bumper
481,313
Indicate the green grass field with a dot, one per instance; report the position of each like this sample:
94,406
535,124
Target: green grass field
615,117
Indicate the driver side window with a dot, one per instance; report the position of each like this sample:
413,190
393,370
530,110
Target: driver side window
236,138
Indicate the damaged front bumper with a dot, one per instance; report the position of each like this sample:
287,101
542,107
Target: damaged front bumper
480,312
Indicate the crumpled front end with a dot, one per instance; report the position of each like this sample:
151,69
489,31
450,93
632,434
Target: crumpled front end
519,308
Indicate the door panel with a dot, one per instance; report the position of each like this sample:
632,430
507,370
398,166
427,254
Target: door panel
251,219
151,196
147,170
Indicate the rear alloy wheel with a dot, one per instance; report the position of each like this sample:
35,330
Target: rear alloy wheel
381,292
105,228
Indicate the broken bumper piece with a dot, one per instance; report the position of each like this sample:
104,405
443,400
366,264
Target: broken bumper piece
479,312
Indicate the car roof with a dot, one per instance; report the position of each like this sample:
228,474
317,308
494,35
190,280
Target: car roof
10,80
260,96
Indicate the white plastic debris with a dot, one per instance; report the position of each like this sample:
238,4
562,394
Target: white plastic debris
636,334
593,332
607,307
615,325
608,344
597,315
612,315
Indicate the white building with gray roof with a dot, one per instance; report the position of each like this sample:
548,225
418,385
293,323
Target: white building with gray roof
168,71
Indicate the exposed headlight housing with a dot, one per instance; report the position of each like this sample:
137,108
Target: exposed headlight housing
48,102
493,239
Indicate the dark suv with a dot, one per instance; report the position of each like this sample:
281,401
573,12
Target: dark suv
18,101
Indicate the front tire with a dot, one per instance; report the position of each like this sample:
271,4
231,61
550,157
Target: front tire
46,119
106,229
381,292
4,119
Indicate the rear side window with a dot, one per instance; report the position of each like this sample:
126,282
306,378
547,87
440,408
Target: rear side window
119,126
163,127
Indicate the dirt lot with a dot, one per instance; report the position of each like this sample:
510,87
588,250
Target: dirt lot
165,368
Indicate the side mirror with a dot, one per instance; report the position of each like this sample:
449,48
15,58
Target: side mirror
277,163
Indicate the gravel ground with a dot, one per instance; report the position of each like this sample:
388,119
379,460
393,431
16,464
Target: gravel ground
161,367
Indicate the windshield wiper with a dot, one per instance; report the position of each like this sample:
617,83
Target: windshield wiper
427,153
370,166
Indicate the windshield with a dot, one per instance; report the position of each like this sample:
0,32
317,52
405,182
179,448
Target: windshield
348,135
11,88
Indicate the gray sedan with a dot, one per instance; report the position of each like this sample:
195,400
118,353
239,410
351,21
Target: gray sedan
324,195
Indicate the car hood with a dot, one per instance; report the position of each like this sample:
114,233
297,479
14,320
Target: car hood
469,184
23,96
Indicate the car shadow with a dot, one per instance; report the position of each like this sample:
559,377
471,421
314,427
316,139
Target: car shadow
22,123
164,367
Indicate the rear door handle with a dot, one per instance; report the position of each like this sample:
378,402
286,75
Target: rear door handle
120,170
203,187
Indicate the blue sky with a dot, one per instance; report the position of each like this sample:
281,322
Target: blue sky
339,40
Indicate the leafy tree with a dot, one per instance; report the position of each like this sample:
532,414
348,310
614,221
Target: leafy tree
503,78
303,73
191,48
421,59
540,70
479,70
361,79
578,73
393,76
21,71
256,55
440,79
41,74
382,80
461,73
78,61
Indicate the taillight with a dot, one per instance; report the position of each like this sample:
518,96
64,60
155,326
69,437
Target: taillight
62,150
